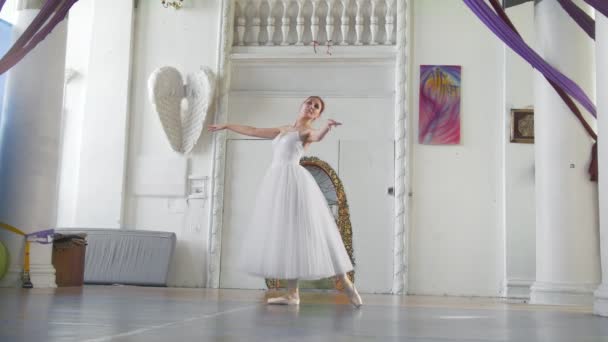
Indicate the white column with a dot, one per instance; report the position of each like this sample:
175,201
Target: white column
30,134
601,38
97,167
567,255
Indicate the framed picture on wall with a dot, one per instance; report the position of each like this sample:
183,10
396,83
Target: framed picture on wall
439,105
522,126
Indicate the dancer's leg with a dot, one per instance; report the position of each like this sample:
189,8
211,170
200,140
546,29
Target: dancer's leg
291,298
350,290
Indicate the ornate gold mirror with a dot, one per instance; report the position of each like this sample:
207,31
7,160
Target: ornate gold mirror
332,189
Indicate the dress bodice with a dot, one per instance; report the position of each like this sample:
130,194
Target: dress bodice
287,148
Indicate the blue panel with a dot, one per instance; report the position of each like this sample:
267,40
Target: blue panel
6,30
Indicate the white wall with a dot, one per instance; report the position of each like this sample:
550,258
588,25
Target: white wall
458,211
93,164
456,235
9,11
30,146
76,63
360,151
601,295
187,40
520,225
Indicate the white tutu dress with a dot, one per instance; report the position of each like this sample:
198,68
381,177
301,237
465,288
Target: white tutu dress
292,234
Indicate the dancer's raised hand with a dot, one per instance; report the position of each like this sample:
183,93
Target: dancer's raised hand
333,123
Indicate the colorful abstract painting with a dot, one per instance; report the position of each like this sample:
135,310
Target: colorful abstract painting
439,112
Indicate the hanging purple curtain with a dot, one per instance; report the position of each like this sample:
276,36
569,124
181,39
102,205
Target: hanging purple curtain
579,16
562,94
593,169
46,11
600,5
51,14
513,40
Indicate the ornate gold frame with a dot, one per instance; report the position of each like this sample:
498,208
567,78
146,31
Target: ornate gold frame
343,222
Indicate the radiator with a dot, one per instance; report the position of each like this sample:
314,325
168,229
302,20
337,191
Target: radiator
132,257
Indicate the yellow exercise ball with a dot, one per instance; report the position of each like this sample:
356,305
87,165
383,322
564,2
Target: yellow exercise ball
3,260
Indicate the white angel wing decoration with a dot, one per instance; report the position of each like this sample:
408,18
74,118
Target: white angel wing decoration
200,93
183,126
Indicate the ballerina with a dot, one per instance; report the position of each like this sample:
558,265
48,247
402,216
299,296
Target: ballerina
293,234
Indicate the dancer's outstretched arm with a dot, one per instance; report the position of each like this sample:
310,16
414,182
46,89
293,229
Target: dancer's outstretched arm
268,133
314,136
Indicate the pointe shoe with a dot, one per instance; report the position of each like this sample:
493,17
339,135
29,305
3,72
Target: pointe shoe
284,300
353,295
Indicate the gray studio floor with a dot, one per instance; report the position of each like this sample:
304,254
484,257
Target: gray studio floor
124,313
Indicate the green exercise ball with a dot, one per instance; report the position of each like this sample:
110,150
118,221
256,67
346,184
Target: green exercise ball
3,260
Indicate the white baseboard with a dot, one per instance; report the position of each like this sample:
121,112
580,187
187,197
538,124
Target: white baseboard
12,278
15,245
562,294
600,304
43,276
519,288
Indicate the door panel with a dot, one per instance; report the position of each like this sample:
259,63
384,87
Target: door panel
366,170
246,163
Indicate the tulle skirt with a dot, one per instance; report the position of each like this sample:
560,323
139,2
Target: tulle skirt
292,233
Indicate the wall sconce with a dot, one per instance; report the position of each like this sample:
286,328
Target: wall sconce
175,4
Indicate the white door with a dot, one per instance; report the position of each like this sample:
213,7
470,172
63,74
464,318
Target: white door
246,162
366,170
367,173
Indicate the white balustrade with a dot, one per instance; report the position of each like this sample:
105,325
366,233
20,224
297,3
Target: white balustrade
329,21
286,22
241,21
345,19
270,22
315,21
359,23
390,22
300,22
373,23
256,22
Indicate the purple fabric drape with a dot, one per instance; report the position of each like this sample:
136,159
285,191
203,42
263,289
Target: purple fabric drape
579,16
562,94
2,2
515,42
43,237
51,14
600,5
46,11
593,169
